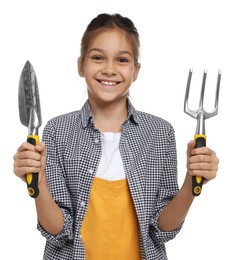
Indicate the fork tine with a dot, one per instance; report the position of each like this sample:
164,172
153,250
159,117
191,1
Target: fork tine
217,91
215,110
217,88
187,110
201,101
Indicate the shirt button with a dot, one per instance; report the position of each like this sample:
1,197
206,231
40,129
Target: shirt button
82,203
96,141
80,236
90,171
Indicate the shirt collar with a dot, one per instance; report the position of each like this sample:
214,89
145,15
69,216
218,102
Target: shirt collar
86,116
132,112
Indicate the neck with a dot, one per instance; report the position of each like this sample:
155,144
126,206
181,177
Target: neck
109,117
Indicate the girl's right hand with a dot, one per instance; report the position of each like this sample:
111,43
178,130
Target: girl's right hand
30,158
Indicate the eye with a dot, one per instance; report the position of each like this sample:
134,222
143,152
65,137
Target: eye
123,60
97,58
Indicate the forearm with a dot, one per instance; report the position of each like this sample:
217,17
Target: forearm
49,214
174,213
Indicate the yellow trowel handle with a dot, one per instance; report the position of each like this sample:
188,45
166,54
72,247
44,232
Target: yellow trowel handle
32,178
197,181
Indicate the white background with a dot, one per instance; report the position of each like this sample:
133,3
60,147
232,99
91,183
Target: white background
175,36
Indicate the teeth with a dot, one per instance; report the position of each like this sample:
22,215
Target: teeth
108,83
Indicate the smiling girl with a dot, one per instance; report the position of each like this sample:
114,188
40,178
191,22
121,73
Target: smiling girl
108,172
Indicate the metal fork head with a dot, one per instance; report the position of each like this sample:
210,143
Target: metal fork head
200,114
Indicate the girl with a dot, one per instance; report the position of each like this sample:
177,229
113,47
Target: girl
108,173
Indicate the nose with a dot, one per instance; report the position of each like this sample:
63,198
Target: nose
109,68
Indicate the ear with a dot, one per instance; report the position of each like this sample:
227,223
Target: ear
136,71
80,67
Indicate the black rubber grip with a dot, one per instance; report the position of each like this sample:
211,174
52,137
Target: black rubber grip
197,181
32,178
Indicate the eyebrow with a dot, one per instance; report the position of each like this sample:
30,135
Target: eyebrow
101,50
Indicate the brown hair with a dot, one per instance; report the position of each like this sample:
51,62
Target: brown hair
106,21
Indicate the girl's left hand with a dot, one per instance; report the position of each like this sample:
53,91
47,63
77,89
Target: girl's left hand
201,162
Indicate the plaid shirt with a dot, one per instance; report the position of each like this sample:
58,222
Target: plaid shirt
148,150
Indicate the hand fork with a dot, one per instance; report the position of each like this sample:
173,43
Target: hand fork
200,114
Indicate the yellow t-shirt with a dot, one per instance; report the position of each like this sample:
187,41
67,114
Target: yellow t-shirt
110,228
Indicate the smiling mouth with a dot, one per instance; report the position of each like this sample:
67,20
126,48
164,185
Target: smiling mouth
108,83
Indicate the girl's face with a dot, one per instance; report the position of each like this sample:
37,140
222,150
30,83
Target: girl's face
109,67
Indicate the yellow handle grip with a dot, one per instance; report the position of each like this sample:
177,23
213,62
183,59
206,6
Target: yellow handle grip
197,181
32,178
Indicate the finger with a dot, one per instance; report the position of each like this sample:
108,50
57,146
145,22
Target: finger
40,147
206,174
21,171
26,146
27,161
203,150
201,158
190,147
205,166
33,155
